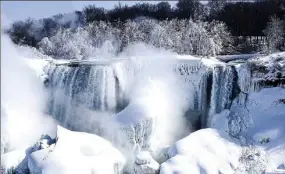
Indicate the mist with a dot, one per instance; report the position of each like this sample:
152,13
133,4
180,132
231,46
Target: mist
23,100
155,90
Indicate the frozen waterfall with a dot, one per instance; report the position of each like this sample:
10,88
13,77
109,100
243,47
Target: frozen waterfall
75,87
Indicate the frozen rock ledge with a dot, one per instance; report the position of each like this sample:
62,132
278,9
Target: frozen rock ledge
144,163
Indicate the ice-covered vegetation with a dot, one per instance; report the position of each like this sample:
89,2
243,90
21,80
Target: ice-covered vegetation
274,33
160,25
181,36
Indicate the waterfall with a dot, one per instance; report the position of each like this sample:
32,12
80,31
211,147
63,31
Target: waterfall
95,87
75,87
222,90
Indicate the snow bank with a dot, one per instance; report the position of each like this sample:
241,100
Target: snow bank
259,124
206,150
78,152
268,117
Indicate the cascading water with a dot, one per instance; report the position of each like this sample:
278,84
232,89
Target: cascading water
104,87
74,88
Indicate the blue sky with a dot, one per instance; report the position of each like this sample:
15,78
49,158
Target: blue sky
21,10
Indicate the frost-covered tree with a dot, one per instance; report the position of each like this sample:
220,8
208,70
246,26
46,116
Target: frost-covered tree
216,6
21,32
97,40
274,34
92,13
222,39
67,44
102,39
189,9
132,33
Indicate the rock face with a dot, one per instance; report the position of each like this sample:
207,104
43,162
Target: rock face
144,163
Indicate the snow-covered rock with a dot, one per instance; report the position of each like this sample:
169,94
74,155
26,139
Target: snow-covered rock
134,126
78,152
14,161
204,151
17,160
144,163
143,157
37,159
44,142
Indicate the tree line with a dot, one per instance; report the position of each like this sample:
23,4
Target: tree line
250,23
102,39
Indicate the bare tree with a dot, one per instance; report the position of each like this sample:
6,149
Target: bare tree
274,34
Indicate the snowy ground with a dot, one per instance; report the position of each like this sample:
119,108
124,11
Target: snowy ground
268,125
